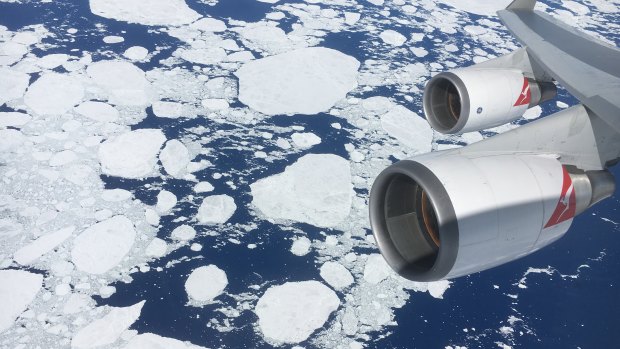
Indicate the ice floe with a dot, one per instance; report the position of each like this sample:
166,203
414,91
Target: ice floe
124,83
291,312
17,290
132,154
13,119
175,158
216,209
153,341
108,329
171,110
480,7
97,111
304,81
336,275
147,12
31,252
136,53
54,94
183,233
165,201
408,128
205,283
392,37
301,246
103,245
305,140
12,85
316,189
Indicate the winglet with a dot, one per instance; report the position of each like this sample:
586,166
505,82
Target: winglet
527,5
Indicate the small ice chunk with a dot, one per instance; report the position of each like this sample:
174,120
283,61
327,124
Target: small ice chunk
283,143
170,110
291,312
215,104
408,128
115,195
203,187
153,341
17,290
336,275
274,85
419,51
206,283
392,37
31,252
132,154
305,140
97,111
209,25
216,209
136,53
316,189
301,246
54,94
103,245
113,39
376,269
12,85
147,12
156,248
13,119
533,113
183,233
175,158
165,201
351,18
108,329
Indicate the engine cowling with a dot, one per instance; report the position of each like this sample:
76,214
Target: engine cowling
473,99
433,222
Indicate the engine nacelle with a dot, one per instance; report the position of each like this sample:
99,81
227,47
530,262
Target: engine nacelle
444,215
473,99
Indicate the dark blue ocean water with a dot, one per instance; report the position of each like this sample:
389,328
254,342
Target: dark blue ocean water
561,312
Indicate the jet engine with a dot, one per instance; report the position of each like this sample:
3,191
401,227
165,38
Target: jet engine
444,215
473,99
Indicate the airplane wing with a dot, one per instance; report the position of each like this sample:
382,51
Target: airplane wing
455,212
588,68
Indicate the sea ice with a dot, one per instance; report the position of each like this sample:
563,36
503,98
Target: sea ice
171,110
132,154
103,245
124,83
13,119
301,246
175,158
156,248
316,189
291,312
393,38
147,12
304,81
183,233
113,39
408,128
136,53
17,290
12,85
376,269
209,25
53,94
336,275
97,111
206,283
153,341
203,187
215,104
108,329
31,252
305,140
480,7
216,209
165,201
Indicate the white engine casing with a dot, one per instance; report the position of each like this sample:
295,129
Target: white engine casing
473,99
491,210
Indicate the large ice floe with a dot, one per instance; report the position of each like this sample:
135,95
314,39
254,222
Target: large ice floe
54,94
108,329
304,81
122,82
148,12
17,289
132,154
291,312
316,189
216,209
205,283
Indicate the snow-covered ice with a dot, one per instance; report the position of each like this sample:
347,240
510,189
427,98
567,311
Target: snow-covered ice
291,312
165,201
205,283
175,158
171,110
132,154
124,83
108,329
147,12
12,85
31,252
376,269
156,248
304,81
97,111
216,209
209,25
316,189
392,37
13,119
203,187
480,7
54,94
301,246
183,233
305,140
113,39
136,53
103,245
408,128
153,341
18,289
336,275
